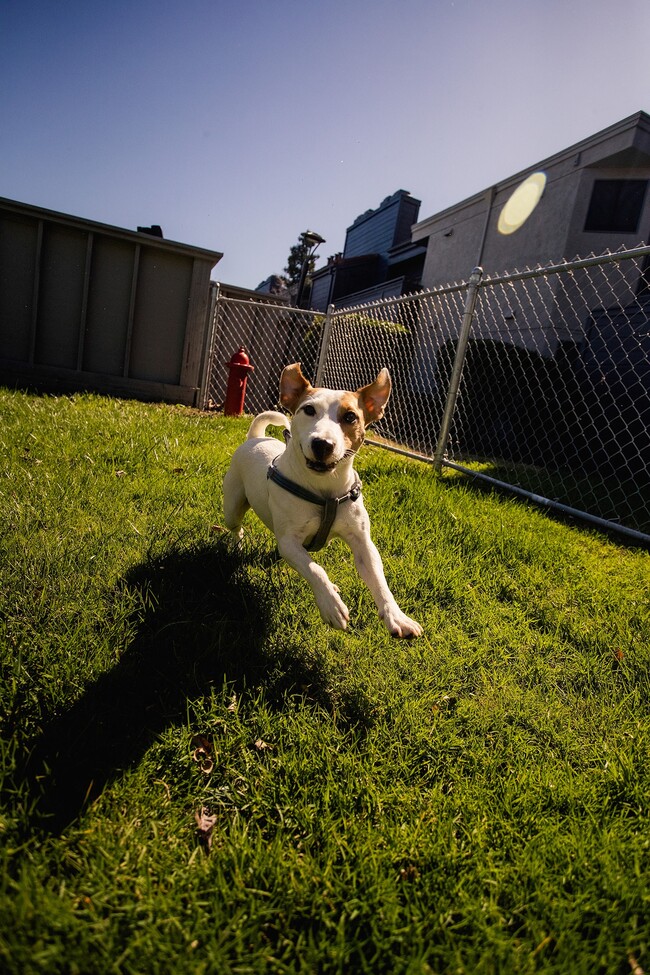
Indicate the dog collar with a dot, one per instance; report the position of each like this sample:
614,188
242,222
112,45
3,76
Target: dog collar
329,505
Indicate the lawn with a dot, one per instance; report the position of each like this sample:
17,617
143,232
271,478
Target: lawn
198,776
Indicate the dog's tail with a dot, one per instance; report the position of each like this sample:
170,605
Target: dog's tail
264,420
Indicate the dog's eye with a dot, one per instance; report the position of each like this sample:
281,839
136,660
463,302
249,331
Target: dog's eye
349,417
309,410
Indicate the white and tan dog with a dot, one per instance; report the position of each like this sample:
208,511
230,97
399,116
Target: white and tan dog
308,492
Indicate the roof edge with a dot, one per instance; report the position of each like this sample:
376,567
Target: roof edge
83,223
638,119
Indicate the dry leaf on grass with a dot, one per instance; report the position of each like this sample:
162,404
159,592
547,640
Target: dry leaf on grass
202,753
204,825
409,872
263,746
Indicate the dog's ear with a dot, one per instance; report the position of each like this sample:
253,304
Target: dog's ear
373,398
293,386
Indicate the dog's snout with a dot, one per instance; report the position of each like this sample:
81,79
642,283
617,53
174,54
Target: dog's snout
321,449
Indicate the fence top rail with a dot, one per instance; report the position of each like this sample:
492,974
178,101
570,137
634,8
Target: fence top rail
400,299
566,267
269,306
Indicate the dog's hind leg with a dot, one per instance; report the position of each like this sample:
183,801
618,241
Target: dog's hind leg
235,502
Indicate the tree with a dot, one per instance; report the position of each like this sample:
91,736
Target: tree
296,259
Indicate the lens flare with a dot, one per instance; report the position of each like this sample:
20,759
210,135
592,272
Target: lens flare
521,203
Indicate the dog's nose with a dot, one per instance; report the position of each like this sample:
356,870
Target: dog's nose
321,449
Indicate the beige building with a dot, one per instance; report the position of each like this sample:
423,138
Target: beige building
595,200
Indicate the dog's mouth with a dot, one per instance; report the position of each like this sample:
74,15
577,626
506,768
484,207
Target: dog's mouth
322,467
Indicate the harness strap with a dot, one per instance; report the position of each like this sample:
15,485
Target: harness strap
329,505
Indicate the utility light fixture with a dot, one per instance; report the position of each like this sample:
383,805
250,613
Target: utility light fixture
312,239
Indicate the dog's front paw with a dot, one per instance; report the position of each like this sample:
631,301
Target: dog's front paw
333,610
399,624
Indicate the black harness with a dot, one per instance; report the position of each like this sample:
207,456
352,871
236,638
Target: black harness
329,505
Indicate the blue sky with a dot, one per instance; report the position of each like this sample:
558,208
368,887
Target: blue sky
238,124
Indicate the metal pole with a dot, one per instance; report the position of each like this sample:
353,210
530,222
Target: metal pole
563,509
324,346
303,278
312,242
457,371
490,203
204,392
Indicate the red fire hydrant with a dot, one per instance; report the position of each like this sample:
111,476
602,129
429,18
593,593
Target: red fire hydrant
238,369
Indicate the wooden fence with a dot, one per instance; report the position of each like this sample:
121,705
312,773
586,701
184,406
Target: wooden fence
84,305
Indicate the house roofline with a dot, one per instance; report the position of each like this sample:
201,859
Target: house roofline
641,119
392,200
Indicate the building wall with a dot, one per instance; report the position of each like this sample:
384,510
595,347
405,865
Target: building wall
387,289
458,239
376,231
372,253
583,242
321,288
463,237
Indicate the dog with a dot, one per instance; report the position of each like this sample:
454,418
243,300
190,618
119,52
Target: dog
307,491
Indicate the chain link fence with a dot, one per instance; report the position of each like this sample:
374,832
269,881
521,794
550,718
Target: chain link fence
273,334
536,381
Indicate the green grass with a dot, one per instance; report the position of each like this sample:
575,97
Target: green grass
622,498
474,801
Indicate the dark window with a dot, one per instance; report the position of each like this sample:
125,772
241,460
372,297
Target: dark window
616,205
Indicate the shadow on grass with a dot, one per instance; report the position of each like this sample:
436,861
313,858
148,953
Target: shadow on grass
205,623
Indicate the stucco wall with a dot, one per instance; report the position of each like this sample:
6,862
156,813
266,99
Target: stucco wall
457,237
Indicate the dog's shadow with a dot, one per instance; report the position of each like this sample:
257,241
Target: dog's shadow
202,623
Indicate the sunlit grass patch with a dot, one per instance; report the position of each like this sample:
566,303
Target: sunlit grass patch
474,801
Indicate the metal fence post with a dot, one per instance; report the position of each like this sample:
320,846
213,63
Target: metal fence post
204,392
457,370
324,346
